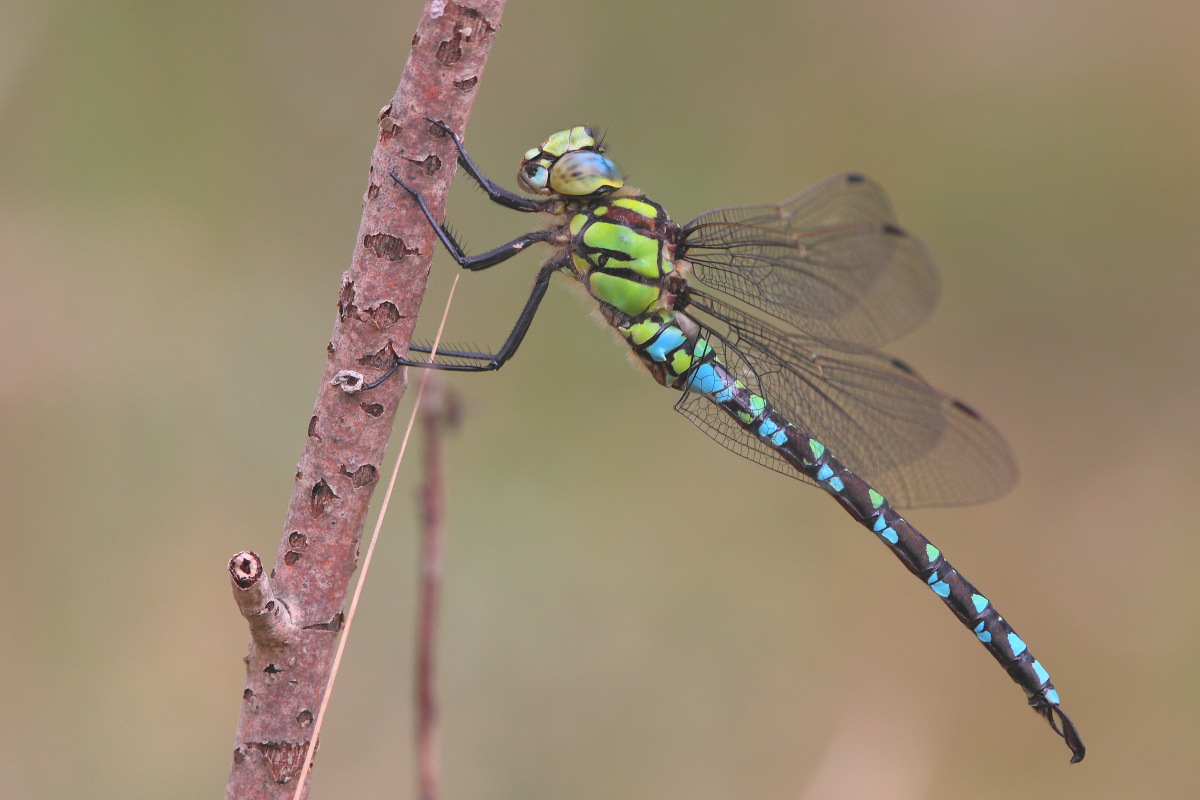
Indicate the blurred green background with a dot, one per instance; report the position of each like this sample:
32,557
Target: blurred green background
180,187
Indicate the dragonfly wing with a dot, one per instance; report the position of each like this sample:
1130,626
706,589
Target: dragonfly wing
831,260
913,443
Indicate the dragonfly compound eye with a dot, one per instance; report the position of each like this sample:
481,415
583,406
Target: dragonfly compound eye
584,173
534,176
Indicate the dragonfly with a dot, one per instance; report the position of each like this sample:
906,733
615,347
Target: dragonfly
767,320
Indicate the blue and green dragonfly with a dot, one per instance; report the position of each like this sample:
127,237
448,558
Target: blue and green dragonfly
775,357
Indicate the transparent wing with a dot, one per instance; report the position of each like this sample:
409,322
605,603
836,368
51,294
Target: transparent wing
911,442
831,261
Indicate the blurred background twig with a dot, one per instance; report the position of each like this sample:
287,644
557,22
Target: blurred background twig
439,415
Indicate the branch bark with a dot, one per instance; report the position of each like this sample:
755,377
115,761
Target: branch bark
380,297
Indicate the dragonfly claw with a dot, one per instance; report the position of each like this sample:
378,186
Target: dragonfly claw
403,185
439,124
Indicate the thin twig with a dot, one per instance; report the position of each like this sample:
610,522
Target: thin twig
440,414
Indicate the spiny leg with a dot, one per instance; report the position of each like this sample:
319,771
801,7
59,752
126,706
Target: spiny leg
489,361
492,257
496,193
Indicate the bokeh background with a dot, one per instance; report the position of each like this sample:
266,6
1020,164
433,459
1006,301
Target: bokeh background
631,612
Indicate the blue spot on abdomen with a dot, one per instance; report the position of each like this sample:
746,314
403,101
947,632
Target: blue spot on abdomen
667,341
706,380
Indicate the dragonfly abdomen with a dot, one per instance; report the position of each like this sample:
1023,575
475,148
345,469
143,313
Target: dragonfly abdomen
682,358
923,559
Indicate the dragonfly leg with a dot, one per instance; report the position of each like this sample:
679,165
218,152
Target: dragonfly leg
484,260
495,192
485,362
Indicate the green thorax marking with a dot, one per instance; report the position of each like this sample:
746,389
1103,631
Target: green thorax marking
621,250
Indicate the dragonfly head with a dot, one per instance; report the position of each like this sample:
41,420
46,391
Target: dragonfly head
571,164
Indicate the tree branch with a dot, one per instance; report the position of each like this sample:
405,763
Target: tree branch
380,296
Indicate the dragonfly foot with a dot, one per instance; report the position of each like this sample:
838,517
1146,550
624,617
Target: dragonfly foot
403,185
352,382
437,123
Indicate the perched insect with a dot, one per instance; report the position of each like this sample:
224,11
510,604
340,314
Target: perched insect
832,277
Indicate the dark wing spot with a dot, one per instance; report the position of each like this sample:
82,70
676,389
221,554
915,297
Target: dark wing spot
966,409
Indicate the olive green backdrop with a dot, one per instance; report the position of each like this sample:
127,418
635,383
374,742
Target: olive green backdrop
631,611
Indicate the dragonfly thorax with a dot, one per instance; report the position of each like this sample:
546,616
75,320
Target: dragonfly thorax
570,164
622,248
